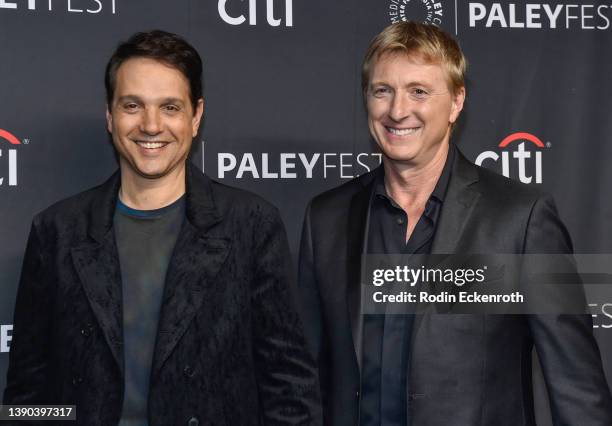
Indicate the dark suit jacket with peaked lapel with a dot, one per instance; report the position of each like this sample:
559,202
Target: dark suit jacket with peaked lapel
466,370
230,348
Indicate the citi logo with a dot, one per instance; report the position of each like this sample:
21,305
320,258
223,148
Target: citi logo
520,159
72,6
235,15
9,155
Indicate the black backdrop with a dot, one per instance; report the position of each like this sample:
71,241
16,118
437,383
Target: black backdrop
284,115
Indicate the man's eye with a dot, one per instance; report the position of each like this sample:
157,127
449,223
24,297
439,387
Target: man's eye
171,108
418,93
130,106
381,91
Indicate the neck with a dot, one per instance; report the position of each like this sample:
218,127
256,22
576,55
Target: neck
142,193
411,185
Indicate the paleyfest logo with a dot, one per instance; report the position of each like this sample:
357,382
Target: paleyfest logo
70,6
8,158
293,165
526,163
551,15
425,11
5,337
602,318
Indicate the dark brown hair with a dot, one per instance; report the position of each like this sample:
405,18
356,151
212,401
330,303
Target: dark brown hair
161,46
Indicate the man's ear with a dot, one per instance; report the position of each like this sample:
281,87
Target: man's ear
197,117
457,105
198,113
109,120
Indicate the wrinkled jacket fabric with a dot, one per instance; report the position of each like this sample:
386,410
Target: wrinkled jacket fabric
230,347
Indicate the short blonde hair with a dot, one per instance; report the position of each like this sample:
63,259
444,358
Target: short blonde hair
416,39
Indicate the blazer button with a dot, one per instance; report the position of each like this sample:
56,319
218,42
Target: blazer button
188,372
357,394
77,380
193,422
85,332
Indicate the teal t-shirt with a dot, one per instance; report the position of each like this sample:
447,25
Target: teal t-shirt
145,241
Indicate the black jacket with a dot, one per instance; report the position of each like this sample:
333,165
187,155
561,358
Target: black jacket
465,370
230,348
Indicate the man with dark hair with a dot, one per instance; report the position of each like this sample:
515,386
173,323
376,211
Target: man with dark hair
160,297
427,198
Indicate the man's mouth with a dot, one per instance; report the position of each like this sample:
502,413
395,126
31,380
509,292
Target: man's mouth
402,132
151,145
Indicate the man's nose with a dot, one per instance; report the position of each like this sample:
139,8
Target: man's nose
151,122
400,107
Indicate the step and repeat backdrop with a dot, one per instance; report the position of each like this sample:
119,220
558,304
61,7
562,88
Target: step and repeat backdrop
284,114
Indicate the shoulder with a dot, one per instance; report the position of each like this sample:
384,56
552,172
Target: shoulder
231,199
341,196
75,210
205,193
523,215
505,192
509,201
247,214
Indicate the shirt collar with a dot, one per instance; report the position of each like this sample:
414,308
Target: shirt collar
439,191
149,214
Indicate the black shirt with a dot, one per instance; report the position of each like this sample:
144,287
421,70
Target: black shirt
386,338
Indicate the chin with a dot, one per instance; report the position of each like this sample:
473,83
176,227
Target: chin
400,155
148,172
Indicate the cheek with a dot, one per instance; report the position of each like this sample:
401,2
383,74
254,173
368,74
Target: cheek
435,113
181,128
125,124
376,111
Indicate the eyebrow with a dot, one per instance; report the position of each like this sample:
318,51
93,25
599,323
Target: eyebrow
163,101
410,84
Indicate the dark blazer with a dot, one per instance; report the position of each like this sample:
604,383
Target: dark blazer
465,370
230,348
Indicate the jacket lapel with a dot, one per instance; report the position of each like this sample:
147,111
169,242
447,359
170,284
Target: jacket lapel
459,202
457,209
190,280
357,231
98,269
97,264
196,260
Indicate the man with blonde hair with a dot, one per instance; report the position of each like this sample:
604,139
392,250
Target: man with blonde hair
427,198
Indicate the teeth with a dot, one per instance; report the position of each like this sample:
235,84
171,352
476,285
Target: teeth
151,145
402,132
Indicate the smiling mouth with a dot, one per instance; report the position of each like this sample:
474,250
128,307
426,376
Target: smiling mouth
402,132
151,145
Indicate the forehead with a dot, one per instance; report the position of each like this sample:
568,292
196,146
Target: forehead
150,76
401,68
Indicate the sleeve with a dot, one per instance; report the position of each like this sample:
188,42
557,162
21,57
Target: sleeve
309,299
286,373
310,305
28,370
568,352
